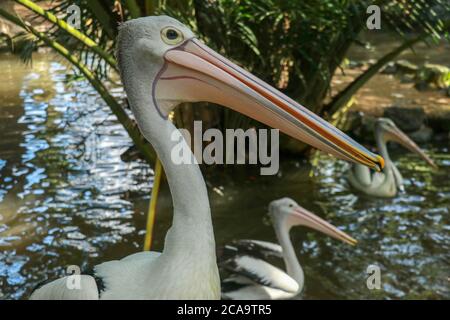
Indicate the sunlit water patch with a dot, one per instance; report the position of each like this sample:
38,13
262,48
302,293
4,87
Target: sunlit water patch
65,193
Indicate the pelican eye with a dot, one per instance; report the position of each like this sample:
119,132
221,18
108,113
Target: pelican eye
171,36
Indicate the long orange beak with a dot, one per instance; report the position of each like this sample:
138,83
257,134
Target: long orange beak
193,72
399,136
301,216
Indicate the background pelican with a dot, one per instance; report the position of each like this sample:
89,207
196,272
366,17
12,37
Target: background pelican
389,181
256,279
162,64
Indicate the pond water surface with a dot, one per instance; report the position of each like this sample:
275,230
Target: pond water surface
67,198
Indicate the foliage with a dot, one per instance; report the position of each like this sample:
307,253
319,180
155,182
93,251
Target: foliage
91,74
298,45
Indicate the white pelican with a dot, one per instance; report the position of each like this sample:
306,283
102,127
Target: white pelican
255,279
387,182
163,64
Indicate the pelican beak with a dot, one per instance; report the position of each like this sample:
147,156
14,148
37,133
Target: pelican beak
399,136
193,72
301,216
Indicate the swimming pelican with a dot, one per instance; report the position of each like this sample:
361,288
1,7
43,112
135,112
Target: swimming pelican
387,182
255,279
163,64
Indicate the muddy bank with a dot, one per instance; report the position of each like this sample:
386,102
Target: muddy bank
413,91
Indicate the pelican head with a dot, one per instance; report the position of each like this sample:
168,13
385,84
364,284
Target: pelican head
288,212
387,129
162,56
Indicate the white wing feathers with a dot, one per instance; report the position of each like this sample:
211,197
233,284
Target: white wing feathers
269,248
68,288
263,273
121,276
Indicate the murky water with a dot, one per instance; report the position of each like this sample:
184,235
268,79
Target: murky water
66,198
